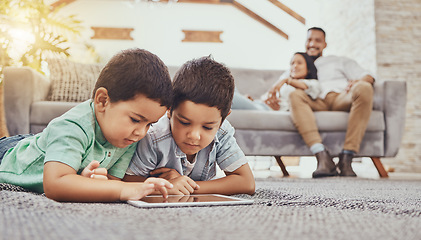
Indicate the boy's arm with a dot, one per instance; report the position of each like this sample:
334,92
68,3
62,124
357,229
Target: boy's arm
236,182
143,161
61,183
165,173
134,178
182,185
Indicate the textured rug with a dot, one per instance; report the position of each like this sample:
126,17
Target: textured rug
332,208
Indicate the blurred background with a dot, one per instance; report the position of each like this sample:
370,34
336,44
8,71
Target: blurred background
381,35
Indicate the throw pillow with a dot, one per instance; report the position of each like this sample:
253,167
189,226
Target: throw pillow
71,81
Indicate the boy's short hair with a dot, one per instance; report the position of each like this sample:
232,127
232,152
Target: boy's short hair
204,81
136,71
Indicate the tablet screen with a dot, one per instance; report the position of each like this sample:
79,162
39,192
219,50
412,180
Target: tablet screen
189,200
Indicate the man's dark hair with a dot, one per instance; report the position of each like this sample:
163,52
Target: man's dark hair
204,81
317,29
136,71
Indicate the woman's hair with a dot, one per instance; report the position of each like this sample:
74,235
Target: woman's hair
311,69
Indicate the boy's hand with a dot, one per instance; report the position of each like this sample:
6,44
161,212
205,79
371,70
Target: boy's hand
183,185
92,171
166,173
136,191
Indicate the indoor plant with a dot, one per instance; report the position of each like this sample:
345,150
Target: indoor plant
31,31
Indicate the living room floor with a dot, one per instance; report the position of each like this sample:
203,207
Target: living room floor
303,167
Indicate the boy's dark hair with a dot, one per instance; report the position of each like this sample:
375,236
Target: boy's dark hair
204,81
317,29
136,71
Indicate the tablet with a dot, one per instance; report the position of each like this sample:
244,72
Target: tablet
188,200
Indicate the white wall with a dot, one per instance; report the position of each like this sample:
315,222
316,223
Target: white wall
246,42
350,30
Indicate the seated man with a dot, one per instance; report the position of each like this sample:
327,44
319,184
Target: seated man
345,86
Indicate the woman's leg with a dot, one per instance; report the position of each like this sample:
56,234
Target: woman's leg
242,102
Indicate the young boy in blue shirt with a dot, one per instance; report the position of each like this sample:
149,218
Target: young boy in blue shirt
132,92
185,146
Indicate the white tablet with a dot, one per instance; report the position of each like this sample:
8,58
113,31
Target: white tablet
188,200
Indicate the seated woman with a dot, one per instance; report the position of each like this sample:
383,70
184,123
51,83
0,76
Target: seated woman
302,75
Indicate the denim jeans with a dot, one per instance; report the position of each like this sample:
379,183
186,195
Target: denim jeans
8,142
240,101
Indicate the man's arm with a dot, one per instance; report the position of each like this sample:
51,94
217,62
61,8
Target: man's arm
236,182
353,72
61,183
366,78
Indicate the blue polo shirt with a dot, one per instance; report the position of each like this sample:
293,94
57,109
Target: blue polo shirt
158,149
74,139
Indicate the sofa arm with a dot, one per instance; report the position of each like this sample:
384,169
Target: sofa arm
22,86
395,114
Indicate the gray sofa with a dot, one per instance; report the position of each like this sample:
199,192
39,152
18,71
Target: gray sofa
259,133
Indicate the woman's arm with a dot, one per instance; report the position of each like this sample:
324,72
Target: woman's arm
273,91
297,83
273,99
237,182
313,88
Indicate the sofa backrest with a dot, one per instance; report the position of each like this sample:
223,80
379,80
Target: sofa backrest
254,82
251,82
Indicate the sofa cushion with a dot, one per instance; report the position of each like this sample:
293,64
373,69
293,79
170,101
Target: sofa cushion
329,121
71,81
42,112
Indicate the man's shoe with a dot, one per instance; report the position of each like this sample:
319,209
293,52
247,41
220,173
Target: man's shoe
344,165
325,165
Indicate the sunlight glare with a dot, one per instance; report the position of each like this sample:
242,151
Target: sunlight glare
21,39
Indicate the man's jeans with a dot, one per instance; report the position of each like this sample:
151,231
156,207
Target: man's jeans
8,142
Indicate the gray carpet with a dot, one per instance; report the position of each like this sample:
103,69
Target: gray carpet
332,208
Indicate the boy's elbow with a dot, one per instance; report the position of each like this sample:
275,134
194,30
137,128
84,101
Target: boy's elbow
251,188
51,192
